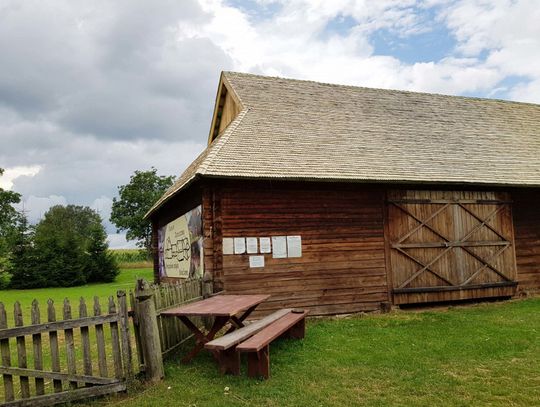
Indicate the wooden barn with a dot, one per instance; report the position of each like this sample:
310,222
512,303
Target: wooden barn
342,199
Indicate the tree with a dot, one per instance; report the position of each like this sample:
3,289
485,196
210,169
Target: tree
68,248
102,265
135,199
9,220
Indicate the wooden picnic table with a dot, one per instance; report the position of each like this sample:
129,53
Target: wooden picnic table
224,308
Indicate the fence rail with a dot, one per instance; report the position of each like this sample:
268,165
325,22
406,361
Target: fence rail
68,340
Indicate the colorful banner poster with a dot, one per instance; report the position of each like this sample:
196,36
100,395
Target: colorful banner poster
180,245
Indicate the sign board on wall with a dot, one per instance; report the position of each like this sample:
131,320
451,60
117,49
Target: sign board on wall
180,246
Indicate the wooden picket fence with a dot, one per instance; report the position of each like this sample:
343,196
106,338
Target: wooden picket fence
65,340
69,359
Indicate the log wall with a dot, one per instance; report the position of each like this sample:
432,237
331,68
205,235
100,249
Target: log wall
342,268
526,210
343,265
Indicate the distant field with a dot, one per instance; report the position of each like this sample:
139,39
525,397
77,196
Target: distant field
125,281
131,258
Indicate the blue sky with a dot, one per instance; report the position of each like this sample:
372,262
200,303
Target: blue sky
92,91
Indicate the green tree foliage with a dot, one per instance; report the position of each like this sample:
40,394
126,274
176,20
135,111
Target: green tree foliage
135,199
67,248
101,261
9,220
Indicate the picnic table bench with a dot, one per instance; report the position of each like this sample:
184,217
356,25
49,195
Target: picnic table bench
233,309
255,340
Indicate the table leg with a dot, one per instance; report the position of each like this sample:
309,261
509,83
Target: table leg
219,322
237,322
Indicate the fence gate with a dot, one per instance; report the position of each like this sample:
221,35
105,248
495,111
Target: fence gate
450,245
64,359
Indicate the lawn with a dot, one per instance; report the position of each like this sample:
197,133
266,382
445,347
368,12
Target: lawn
124,281
487,354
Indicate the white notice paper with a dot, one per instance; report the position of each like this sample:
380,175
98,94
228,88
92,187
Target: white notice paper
239,245
256,261
294,246
265,245
279,244
228,245
252,245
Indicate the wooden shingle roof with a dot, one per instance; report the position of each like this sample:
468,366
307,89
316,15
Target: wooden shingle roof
302,130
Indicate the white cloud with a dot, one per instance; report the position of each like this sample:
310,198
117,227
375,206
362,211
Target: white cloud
35,207
11,174
118,241
295,42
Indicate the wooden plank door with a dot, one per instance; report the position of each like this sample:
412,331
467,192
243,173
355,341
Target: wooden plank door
450,245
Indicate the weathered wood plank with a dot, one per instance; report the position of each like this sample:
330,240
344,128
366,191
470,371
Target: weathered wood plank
70,345
124,334
136,329
115,341
237,336
5,352
38,351
85,339
56,326
64,397
21,351
53,343
100,341
17,371
526,215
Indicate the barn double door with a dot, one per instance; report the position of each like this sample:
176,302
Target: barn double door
449,245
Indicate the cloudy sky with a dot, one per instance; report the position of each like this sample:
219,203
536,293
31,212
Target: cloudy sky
92,91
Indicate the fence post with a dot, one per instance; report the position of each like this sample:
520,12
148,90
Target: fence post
207,288
146,314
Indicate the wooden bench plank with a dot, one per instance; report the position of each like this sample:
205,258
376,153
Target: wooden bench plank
271,332
237,336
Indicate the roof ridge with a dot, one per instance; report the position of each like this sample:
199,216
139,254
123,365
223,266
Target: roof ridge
338,85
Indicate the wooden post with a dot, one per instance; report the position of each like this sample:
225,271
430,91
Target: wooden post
207,289
207,285
148,326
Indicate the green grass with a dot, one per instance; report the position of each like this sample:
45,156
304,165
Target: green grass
124,281
486,354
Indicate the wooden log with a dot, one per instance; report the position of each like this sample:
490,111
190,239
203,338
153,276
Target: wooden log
5,352
70,345
53,342
21,352
85,339
38,351
115,341
149,331
124,334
